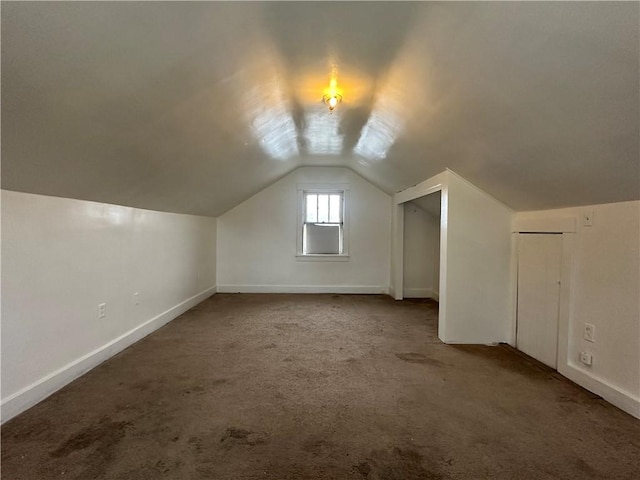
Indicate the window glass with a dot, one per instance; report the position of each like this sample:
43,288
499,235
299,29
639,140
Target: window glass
334,209
323,208
312,208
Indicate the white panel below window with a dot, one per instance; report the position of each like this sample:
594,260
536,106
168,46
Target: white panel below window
322,239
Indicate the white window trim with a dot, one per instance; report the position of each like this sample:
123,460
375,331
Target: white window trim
324,188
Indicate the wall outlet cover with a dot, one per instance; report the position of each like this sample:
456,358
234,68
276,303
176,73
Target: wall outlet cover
586,358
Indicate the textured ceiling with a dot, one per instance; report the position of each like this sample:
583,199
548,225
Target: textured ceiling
192,106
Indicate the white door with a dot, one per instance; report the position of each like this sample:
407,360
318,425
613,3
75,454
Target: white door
539,263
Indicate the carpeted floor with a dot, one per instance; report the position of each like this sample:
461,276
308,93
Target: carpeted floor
318,387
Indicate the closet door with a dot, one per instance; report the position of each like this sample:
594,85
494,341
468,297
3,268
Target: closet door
539,266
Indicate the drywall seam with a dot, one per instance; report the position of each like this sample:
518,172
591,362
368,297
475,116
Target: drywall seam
41,389
354,289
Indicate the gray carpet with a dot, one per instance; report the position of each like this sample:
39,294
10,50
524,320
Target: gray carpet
318,387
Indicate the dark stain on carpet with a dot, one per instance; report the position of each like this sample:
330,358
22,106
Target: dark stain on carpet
241,436
105,434
397,464
315,445
419,358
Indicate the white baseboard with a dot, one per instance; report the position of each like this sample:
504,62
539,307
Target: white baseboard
435,295
417,293
623,400
357,289
470,341
41,389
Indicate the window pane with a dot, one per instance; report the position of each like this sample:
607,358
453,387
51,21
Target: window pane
323,208
334,209
312,208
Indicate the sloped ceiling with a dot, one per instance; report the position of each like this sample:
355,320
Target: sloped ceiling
193,107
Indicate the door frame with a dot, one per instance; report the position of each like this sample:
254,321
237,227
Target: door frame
435,184
567,227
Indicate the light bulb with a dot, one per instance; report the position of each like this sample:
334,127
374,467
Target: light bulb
332,100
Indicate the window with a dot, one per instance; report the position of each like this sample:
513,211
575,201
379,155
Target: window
322,229
322,233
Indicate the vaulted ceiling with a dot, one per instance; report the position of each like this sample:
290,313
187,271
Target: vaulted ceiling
192,107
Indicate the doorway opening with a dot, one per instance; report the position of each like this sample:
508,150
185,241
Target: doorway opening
421,250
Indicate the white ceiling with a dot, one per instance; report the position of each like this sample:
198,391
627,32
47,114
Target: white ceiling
192,107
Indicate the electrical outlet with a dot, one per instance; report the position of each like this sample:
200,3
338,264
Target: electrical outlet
589,332
586,358
136,298
102,311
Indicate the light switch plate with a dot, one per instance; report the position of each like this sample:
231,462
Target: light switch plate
589,332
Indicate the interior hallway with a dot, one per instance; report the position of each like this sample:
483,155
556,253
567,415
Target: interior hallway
318,387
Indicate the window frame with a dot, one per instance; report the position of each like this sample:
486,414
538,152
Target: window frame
322,189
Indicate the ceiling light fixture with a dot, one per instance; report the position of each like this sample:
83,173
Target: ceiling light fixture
332,100
332,95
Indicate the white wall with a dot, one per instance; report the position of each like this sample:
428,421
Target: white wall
478,283
257,240
421,252
62,257
604,290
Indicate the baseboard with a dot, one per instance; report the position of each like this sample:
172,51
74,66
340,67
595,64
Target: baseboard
435,295
470,341
417,293
623,400
357,289
41,389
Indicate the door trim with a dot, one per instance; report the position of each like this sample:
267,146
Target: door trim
565,225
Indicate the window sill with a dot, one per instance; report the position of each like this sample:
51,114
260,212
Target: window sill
322,258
